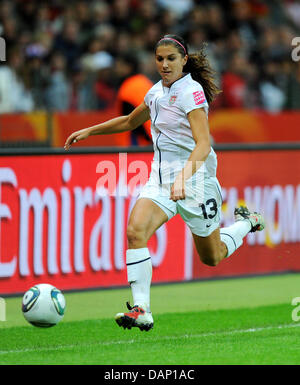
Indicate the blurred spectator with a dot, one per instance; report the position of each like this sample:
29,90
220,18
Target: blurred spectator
123,44
197,17
65,52
35,75
215,23
42,19
270,47
146,12
234,84
293,11
27,11
82,96
127,71
179,7
273,97
104,86
57,93
120,17
96,58
100,13
242,19
68,42
6,10
14,97
293,88
10,31
168,23
83,12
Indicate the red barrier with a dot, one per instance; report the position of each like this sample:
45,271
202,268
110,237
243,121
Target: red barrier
31,127
56,228
226,126
267,181
246,126
66,123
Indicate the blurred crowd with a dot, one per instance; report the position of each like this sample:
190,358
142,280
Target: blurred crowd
75,54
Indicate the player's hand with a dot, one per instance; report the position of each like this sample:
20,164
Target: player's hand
177,190
75,137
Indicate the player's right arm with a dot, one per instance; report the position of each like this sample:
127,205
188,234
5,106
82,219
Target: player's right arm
113,126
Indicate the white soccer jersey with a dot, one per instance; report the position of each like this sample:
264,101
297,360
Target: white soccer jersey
171,132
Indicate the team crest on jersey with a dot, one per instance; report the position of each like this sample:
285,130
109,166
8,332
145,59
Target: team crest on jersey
172,99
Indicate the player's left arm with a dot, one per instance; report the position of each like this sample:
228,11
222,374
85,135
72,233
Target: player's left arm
200,130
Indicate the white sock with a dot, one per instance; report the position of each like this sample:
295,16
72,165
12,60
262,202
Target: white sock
233,235
139,275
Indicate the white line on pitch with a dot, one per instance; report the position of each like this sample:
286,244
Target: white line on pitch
160,338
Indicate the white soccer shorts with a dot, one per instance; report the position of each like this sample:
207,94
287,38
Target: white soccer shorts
200,210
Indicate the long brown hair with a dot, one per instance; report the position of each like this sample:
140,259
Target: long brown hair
197,64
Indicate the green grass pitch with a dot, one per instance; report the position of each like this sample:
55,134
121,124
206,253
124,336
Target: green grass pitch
231,321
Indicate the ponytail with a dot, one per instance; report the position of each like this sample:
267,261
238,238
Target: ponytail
201,71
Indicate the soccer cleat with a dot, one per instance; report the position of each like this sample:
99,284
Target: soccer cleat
136,317
256,220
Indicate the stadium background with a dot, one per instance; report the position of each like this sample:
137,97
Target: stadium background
66,68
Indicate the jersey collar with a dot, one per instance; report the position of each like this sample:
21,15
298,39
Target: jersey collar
176,83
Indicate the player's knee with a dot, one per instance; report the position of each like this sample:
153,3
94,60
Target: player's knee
136,235
210,259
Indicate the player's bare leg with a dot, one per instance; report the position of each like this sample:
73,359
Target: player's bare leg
221,243
145,218
211,249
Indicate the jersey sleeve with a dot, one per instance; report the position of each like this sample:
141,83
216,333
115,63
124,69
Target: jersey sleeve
192,98
146,99
149,95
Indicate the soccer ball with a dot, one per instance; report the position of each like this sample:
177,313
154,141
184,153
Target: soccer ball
43,305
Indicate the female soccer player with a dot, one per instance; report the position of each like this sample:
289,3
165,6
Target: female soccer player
183,174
